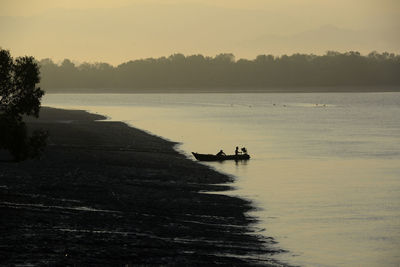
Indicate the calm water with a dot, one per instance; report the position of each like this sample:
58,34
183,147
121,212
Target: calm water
325,171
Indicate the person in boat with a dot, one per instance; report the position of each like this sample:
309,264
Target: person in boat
244,150
237,151
221,153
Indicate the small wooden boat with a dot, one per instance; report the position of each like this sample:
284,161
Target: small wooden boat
211,157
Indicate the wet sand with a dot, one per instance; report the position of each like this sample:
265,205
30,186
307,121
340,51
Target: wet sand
104,193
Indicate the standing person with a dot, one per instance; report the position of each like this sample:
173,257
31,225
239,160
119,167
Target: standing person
237,151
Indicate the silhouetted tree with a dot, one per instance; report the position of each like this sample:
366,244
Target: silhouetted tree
19,96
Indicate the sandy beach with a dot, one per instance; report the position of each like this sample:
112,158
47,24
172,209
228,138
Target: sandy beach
104,193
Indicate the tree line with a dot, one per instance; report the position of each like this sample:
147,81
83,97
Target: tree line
223,71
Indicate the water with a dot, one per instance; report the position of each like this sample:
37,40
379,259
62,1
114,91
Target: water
325,167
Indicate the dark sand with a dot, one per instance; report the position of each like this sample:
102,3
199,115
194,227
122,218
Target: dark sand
108,194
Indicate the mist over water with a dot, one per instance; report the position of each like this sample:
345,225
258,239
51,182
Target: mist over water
325,168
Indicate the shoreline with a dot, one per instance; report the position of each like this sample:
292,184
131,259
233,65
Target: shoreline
230,90
105,193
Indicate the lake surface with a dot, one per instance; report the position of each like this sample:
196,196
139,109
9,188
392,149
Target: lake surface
325,168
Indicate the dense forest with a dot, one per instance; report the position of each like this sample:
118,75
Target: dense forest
333,69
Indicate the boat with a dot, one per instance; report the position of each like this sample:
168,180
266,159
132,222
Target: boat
212,157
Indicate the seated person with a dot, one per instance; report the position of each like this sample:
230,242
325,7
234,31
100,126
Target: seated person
221,153
244,150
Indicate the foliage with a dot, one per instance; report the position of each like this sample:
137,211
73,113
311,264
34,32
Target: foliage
179,71
19,96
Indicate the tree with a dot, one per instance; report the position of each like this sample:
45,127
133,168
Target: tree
19,96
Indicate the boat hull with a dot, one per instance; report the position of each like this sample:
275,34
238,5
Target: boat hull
211,157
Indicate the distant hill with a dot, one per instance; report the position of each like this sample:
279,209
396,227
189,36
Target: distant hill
333,71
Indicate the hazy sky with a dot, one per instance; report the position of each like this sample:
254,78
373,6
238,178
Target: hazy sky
120,30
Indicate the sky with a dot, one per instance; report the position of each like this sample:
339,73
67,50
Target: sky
121,30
